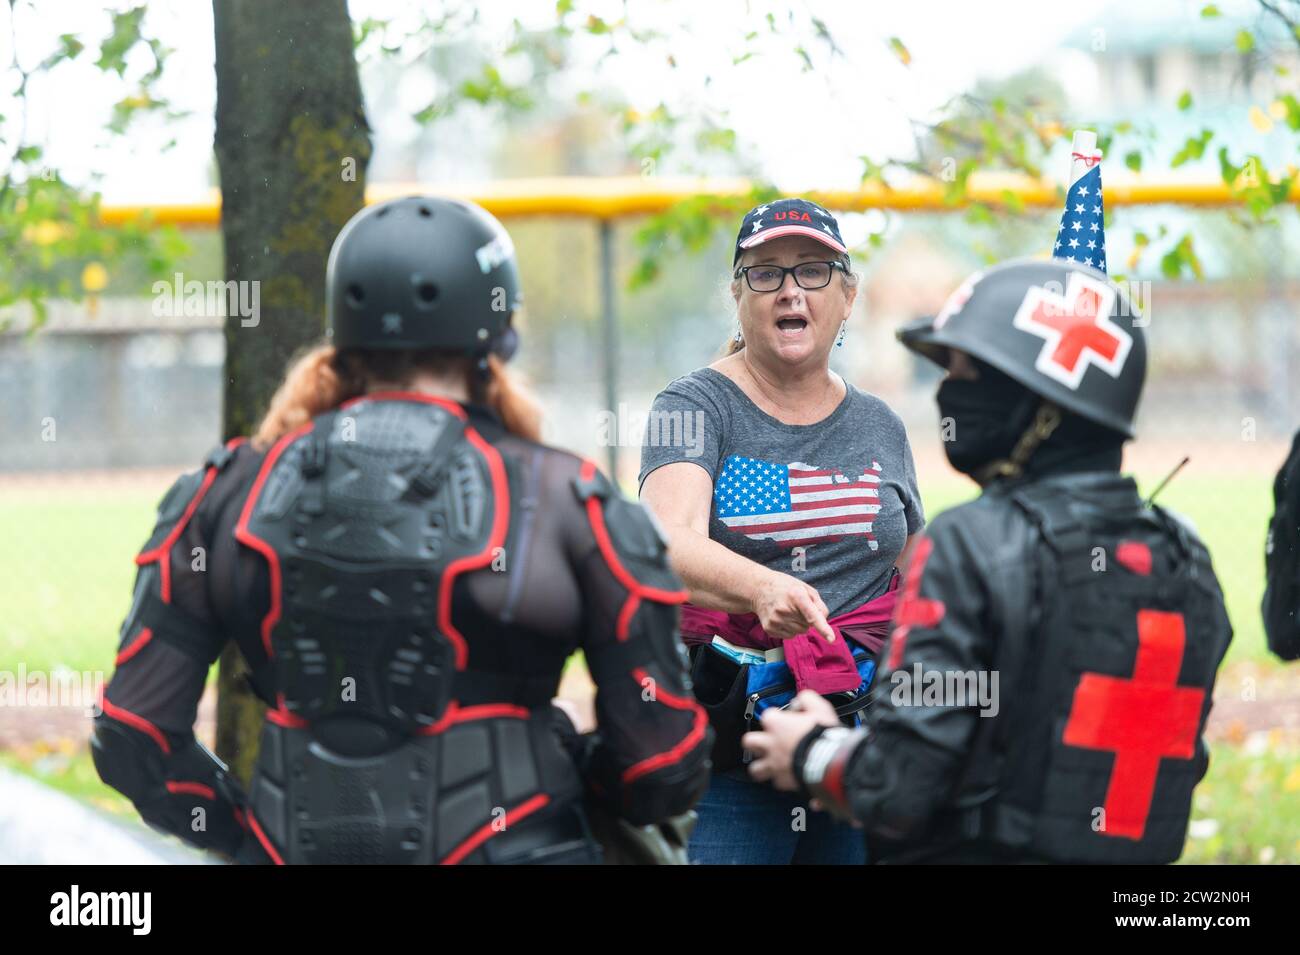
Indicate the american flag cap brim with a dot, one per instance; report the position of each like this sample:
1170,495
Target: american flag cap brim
775,233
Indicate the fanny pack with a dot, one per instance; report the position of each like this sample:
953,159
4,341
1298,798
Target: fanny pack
736,686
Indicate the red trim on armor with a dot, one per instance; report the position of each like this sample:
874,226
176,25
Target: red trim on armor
249,539
162,553
447,403
625,617
501,513
142,638
482,711
688,742
135,722
523,810
261,837
281,716
912,609
638,590
239,818
487,711
192,789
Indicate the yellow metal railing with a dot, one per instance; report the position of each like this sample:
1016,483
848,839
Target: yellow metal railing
617,197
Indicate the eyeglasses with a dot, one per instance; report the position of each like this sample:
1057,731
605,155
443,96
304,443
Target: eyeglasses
807,275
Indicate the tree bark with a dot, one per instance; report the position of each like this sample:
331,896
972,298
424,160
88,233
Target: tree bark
292,145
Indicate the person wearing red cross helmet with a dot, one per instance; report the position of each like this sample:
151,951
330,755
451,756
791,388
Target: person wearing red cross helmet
1045,686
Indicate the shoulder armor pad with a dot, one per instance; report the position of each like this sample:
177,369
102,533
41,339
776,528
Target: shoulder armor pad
629,529
184,490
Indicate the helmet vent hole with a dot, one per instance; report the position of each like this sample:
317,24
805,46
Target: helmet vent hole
381,213
426,211
356,295
426,293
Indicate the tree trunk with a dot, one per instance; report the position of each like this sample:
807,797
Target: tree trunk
292,146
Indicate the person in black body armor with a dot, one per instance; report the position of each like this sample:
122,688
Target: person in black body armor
1099,614
406,570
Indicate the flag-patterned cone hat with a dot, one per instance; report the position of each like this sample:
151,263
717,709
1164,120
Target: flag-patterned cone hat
1060,327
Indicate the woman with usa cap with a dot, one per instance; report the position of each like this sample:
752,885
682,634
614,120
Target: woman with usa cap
789,496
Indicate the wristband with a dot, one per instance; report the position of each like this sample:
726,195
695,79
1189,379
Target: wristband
819,763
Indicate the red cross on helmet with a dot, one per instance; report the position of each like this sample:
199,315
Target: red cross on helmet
1064,331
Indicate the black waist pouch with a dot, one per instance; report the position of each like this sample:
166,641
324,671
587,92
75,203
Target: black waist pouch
722,687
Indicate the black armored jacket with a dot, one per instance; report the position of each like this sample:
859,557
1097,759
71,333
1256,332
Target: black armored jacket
1045,688
406,580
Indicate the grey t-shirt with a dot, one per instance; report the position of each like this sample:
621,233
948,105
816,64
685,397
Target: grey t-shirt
831,503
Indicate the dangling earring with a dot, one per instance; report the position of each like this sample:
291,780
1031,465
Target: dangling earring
839,341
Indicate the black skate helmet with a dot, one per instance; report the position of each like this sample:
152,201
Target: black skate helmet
423,272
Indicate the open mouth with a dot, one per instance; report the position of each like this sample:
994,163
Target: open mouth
792,326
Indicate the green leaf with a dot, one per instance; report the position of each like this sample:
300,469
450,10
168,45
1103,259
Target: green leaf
1292,106
1185,101
900,51
1181,257
70,46
1133,160
126,33
1245,41
1227,170
1210,11
1194,148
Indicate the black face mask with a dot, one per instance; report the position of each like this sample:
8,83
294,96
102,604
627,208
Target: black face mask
990,415
983,419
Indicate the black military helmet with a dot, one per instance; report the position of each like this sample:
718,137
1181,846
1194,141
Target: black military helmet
423,272
1064,331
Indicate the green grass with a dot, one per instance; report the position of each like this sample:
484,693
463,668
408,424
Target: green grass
1245,810
68,768
66,575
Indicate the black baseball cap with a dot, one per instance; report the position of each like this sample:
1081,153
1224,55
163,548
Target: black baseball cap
781,217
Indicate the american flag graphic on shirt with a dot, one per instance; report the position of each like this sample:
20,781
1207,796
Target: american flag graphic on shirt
797,504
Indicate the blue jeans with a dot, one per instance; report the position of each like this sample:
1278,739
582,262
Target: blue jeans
742,822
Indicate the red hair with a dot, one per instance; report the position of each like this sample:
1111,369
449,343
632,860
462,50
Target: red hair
323,377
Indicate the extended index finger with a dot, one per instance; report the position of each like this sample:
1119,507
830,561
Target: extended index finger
816,617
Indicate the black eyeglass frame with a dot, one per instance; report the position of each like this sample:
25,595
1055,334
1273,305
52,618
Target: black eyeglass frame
792,270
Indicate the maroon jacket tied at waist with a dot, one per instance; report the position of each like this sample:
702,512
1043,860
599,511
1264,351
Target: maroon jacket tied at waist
816,664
